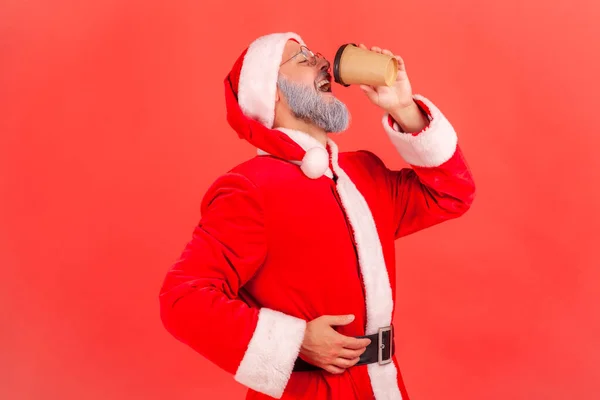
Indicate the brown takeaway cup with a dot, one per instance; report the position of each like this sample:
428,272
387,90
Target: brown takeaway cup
353,65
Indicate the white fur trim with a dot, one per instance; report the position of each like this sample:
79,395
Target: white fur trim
257,87
268,363
302,139
378,291
432,147
307,142
384,381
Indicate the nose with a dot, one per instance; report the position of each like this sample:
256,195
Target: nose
323,64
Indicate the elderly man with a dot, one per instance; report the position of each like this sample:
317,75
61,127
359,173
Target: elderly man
288,281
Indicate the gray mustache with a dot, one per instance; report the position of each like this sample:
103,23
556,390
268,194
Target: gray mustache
323,75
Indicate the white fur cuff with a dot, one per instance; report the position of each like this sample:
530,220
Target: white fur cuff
268,363
432,147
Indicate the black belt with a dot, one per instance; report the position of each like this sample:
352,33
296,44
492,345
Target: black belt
380,350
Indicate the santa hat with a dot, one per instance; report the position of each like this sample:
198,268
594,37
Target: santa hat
250,93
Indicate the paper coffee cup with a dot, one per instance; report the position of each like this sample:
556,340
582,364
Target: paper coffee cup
355,66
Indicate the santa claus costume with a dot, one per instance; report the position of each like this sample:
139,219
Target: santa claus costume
301,231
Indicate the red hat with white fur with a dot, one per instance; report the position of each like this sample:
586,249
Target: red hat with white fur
250,93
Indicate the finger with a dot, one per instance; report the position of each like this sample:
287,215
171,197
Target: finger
355,343
332,369
370,92
351,354
376,49
387,52
362,46
345,363
368,89
337,320
401,65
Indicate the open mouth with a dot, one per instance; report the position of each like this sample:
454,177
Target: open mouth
323,84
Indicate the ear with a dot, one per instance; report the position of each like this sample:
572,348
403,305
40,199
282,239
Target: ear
277,95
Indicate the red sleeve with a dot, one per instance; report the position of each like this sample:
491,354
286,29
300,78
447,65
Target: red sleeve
199,298
439,186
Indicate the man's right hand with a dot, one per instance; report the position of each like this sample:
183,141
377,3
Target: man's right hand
324,347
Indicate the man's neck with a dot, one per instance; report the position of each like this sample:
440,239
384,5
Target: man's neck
310,129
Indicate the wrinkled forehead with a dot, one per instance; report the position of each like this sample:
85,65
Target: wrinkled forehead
291,48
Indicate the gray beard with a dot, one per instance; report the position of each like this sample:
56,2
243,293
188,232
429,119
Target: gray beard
307,104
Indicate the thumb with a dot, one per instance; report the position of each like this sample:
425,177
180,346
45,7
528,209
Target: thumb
337,320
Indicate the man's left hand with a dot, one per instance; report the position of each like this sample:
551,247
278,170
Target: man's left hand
393,97
397,100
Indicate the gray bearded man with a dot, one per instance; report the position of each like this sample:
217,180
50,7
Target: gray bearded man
306,104
288,281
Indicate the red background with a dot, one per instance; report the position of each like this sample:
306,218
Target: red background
113,126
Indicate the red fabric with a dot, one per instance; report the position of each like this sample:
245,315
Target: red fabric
198,298
270,237
236,70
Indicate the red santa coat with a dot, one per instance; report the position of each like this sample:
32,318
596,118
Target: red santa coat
275,249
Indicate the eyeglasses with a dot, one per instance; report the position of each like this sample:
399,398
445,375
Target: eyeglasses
307,55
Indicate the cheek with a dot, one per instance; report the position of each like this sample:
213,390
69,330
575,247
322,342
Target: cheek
310,77
305,76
